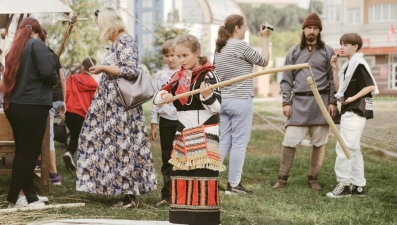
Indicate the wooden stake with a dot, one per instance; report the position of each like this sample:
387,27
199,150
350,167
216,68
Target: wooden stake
73,21
34,208
244,77
328,117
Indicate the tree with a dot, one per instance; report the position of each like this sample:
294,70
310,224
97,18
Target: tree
84,38
287,23
316,6
154,61
283,19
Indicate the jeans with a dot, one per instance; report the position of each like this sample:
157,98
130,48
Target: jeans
235,125
56,106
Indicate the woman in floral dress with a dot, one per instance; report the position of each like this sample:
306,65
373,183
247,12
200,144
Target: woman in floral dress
114,154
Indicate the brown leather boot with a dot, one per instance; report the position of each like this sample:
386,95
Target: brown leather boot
312,182
281,182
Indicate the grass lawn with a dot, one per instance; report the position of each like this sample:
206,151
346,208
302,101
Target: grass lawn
295,204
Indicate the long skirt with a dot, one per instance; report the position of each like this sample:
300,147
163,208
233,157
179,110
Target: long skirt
195,197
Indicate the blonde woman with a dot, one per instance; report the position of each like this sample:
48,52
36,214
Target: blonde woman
113,155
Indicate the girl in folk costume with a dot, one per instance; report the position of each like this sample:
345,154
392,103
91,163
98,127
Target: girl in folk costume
195,156
355,86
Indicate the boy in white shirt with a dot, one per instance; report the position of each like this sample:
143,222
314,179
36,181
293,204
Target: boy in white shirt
355,86
168,118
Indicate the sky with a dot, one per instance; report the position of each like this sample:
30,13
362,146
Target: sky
303,3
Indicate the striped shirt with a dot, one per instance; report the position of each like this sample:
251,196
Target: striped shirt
235,59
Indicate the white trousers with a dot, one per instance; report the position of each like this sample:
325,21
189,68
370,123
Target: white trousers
350,171
295,134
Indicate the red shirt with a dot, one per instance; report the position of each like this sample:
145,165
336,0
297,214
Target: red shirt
80,89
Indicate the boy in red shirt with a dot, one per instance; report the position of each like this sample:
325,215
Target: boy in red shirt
80,89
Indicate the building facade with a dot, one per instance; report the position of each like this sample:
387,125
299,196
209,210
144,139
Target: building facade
276,3
375,21
201,18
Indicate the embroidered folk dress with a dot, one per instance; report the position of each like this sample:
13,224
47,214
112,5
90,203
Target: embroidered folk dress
195,158
114,154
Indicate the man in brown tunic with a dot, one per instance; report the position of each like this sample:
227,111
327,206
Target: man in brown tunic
299,104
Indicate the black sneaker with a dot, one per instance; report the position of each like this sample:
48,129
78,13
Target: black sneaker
38,164
358,190
220,187
340,191
68,159
238,189
162,203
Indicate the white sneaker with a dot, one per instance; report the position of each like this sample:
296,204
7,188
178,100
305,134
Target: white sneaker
23,202
37,203
42,198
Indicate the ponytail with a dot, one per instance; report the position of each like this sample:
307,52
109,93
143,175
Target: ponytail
226,31
203,60
223,36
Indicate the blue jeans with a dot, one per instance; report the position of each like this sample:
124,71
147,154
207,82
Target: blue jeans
56,106
235,125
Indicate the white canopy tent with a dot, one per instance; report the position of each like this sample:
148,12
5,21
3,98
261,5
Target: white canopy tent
8,8
33,6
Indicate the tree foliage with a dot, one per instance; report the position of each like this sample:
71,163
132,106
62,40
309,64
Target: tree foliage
84,39
283,19
154,61
287,23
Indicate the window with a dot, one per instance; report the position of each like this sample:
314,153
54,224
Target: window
147,41
383,13
354,16
332,10
147,19
147,4
333,14
136,17
392,71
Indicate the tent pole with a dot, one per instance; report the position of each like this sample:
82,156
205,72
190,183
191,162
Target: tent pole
66,35
6,35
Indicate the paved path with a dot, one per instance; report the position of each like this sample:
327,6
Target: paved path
99,222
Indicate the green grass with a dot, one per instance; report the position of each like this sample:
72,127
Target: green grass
295,204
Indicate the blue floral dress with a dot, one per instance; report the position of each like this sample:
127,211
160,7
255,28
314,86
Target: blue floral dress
114,154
